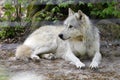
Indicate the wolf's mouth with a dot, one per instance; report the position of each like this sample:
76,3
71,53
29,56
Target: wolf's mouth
65,38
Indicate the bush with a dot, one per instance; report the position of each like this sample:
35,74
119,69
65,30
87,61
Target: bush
51,10
105,10
11,32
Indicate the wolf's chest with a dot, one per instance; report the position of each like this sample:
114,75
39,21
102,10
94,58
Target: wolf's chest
78,48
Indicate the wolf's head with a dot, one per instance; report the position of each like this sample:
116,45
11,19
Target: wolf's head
74,25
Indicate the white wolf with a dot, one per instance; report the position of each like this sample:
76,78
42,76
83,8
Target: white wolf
77,37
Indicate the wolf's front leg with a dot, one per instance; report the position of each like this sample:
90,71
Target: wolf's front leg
96,60
97,55
69,56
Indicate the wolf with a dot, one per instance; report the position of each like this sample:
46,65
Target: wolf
75,39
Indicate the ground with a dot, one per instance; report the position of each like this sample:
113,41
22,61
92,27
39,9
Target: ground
61,70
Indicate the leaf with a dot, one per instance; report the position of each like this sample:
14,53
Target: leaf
90,5
55,9
20,1
7,13
48,18
8,6
81,3
116,13
64,4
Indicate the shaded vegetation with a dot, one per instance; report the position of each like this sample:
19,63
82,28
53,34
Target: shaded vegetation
29,13
11,32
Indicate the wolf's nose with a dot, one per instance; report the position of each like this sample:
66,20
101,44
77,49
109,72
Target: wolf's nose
61,36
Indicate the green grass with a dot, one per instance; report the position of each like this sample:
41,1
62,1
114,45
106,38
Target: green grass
3,77
3,74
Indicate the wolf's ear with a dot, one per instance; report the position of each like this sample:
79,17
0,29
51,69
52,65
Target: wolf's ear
70,12
80,14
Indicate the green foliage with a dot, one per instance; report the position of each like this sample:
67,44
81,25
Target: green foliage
105,10
51,10
3,74
12,7
66,3
10,32
3,77
58,11
11,10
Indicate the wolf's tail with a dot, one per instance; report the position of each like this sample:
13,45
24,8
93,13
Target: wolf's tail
23,52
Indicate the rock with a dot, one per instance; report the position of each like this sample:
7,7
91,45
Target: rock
108,29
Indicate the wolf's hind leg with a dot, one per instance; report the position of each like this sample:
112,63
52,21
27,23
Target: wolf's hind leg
40,51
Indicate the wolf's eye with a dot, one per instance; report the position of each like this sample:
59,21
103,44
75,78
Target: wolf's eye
70,26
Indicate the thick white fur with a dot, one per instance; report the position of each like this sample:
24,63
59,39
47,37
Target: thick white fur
80,39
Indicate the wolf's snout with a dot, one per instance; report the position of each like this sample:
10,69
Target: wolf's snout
61,36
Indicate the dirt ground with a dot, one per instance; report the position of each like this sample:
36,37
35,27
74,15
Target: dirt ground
61,70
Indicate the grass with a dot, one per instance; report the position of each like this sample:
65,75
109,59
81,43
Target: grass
3,74
3,77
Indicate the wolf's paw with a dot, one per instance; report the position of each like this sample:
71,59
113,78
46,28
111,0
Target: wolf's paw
49,56
12,59
94,65
35,58
80,65
52,56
